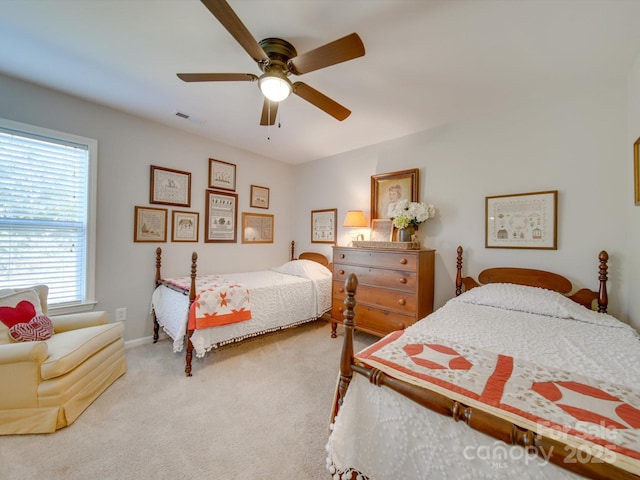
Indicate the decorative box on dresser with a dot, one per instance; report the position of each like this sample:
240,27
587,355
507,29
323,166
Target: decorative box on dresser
395,287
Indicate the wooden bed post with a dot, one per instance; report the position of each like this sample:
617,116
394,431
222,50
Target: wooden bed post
192,297
156,325
459,272
603,299
346,373
293,250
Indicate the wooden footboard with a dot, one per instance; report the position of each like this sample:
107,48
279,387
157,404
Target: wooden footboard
499,428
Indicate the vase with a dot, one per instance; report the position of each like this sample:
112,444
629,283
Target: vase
406,234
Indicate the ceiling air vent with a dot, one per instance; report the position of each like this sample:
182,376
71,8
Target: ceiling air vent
186,116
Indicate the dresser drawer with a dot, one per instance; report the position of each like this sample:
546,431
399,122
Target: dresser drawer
378,322
398,301
382,259
396,279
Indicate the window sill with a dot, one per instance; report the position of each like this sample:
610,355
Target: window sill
78,308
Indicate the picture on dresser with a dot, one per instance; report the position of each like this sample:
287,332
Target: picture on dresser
381,230
387,189
522,220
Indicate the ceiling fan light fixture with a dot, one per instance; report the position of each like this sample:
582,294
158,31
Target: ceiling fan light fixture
275,86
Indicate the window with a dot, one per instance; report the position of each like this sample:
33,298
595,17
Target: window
47,212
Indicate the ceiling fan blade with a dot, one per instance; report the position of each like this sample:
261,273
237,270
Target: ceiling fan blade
269,112
217,77
341,50
321,101
229,20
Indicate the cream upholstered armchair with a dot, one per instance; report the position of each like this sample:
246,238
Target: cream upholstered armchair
52,369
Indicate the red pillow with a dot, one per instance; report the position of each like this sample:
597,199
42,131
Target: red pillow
38,328
23,312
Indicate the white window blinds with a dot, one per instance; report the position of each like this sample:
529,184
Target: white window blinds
44,215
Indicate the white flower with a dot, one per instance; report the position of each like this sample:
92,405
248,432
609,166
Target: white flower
407,213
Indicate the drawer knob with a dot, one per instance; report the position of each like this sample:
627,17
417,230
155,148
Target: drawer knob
340,309
341,290
402,301
404,261
403,280
341,272
342,255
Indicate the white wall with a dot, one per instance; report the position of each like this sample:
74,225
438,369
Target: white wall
127,146
576,145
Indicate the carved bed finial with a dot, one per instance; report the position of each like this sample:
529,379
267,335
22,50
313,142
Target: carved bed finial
346,372
603,298
192,297
293,250
459,271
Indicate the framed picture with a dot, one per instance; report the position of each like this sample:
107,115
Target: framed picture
381,230
523,220
170,187
323,225
150,224
221,217
636,170
222,175
185,226
387,189
259,197
257,228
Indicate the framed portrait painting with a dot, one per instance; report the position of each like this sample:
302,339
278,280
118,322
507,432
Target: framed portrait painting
221,217
387,189
522,220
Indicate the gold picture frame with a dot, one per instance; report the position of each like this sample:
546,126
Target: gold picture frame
185,226
170,187
150,224
636,171
221,217
389,188
257,227
522,220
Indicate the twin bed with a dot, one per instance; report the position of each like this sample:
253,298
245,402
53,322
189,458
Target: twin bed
202,312
542,381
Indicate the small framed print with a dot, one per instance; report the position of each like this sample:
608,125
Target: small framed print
522,220
323,225
185,226
150,224
221,217
222,175
259,197
257,228
381,230
170,187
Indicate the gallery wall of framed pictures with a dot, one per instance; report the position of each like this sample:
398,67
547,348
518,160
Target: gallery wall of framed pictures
172,187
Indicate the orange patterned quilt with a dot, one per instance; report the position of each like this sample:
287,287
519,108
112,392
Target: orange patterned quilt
219,301
592,415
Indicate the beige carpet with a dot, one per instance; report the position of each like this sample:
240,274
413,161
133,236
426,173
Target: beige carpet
254,410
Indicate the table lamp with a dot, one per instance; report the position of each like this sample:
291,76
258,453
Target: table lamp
355,219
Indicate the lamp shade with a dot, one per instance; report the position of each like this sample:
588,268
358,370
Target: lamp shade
355,218
275,86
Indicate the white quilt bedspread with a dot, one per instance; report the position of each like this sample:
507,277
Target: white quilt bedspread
386,436
277,300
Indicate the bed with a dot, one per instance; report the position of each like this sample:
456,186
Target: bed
547,386
203,312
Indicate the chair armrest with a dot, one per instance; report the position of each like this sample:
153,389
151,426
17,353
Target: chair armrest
23,352
74,321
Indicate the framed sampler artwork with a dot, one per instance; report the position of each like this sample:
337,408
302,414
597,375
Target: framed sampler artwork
259,197
170,187
257,228
522,220
387,189
150,224
222,175
185,226
221,217
323,225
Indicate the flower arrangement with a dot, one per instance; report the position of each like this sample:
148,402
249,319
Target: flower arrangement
411,213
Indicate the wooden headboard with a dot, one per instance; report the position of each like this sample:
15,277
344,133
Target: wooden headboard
539,278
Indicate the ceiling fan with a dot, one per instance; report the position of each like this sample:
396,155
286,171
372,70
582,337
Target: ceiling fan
278,59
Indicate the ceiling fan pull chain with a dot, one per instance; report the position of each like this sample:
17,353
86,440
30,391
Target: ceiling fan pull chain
269,122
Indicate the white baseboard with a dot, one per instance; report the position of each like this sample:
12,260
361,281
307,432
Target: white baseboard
143,341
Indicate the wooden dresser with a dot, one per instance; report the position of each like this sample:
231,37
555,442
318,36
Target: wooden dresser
395,287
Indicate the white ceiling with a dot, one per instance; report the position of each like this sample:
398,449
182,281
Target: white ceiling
427,62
